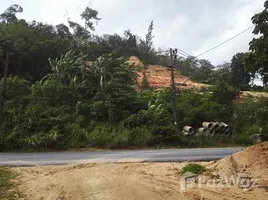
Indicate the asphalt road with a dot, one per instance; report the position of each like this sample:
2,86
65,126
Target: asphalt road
165,155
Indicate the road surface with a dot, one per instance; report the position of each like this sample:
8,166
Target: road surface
165,155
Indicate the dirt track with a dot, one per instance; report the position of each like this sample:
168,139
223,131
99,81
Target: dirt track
118,181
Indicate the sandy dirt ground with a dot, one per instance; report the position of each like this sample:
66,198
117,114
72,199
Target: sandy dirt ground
136,181
150,181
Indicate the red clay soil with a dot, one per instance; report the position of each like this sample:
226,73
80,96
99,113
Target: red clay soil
159,76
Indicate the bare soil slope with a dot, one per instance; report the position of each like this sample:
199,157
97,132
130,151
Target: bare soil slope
159,76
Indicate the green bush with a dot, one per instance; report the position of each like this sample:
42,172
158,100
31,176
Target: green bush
223,93
137,120
105,135
195,108
249,117
193,168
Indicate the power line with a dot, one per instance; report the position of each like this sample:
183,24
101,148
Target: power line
183,52
188,55
179,52
225,41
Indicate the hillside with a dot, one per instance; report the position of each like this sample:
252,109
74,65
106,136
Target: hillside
159,76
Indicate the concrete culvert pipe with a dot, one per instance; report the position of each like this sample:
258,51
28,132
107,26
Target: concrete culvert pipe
258,138
228,133
185,133
212,133
208,125
189,129
227,128
219,133
222,128
223,133
222,123
203,130
216,126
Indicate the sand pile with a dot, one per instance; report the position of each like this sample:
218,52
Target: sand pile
252,161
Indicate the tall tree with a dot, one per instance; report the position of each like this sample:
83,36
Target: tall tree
81,34
257,59
63,31
146,50
31,45
240,76
188,66
6,48
26,47
146,45
203,71
130,47
221,74
9,15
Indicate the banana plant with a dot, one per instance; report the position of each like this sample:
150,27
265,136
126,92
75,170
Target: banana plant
156,104
63,67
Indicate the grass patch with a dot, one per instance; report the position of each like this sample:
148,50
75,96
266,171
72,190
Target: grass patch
193,168
6,185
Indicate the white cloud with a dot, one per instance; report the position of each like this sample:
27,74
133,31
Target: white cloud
191,25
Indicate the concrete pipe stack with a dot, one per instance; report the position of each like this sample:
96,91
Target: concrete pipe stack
215,129
188,130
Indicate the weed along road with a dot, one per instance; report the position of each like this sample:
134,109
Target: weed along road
164,155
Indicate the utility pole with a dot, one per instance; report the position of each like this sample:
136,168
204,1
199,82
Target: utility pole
173,54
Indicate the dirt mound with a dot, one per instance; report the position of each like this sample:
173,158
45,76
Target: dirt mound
252,161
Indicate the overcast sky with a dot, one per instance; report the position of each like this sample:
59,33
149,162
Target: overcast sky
192,25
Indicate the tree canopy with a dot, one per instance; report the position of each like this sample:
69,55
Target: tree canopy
256,60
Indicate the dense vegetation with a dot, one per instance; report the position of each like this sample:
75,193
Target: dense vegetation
52,97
